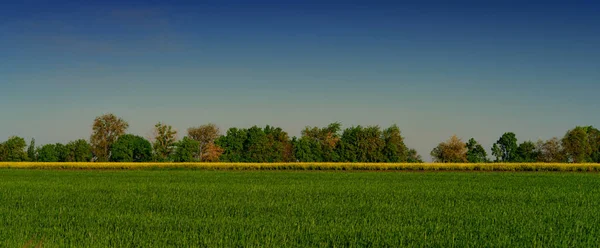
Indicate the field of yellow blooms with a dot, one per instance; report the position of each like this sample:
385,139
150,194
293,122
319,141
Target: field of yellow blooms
313,166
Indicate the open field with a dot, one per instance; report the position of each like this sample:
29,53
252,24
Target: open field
315,166
79,208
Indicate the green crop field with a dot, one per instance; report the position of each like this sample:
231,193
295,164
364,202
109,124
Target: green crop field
297,208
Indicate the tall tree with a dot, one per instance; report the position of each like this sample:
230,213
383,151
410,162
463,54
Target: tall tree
394,149
280,146
13,150
550,151
576,145
451,151
79,151
31,154
48,153
321,143
256,146
413,157
475,152
526,152
507,145
164,140
186,150
205,135
233,145
131,148
106,130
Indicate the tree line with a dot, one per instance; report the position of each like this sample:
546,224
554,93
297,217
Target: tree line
110,142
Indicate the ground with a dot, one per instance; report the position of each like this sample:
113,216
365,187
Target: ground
160,208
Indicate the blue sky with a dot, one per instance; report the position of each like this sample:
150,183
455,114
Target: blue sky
472,69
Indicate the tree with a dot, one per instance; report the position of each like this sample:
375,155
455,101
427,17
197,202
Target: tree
48,153
496,152
320,143
79,151
526,152
13,150
475,152
61,152
451,151
131,148
233,145
186,150
550,151
394,149
31,154
256,145
413,157
106,130
205,135
279,144
212,154
506,147
576,145
164,140
361,144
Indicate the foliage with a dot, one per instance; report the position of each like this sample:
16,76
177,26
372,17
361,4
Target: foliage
394,149
451,151
13,150
106,130
526,152
205,135
475,152
506,148
79,151
31,151
550,151
186,150
131,148
164,141
582,144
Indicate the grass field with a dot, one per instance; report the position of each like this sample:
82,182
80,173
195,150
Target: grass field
314,166
141,208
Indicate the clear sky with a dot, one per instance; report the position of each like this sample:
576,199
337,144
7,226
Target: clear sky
475,69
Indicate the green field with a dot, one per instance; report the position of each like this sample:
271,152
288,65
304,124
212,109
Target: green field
275,208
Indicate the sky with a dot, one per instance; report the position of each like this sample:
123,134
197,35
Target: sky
475,69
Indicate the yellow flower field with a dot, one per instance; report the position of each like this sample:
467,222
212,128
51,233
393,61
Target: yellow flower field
314,166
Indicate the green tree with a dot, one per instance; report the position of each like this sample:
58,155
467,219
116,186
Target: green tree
526,152
256,146
280,146
131,148
61,152
13,150
186,150
164,141
79,151
413,157
507,145
475,152
496,152
394,149
31,154
48,153
320,144
233,145
576,145
106,130
362,144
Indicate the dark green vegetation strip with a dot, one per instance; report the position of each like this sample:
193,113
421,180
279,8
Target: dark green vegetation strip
225,208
